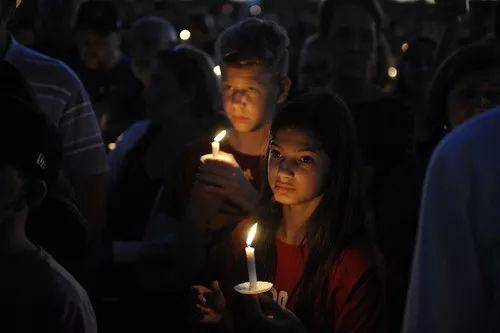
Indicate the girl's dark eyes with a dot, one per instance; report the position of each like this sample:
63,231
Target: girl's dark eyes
306,160
275,154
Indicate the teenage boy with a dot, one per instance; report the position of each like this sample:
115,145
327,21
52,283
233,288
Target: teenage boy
214,195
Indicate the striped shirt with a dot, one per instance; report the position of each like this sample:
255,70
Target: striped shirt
63,99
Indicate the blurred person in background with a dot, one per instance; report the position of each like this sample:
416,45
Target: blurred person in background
465,84
152,266
417,67
54,26
56,224
62,97
146,38
37,293
105,70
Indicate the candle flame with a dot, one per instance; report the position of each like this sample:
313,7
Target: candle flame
220,136
251,234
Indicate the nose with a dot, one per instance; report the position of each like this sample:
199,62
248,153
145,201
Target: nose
286,168
237,98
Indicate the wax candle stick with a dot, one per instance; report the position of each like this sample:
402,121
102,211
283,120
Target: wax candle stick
216,142
250,252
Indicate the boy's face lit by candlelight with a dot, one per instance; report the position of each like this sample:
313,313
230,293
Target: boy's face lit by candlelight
297,168
250,94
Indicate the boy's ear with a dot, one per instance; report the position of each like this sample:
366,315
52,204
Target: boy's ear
35,193
285,85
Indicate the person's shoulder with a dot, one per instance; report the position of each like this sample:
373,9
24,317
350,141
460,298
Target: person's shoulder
356,261
476,137
61,284
43,69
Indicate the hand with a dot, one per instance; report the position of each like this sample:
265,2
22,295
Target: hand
223,176
210,304
282,320
202,206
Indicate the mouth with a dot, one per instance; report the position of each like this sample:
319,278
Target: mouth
283,187
240,119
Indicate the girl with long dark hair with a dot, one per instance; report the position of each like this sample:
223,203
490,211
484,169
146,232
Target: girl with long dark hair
313,241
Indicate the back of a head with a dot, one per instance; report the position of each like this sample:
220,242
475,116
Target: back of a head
482,56
193,68
153,32
329,7
255,41
28,141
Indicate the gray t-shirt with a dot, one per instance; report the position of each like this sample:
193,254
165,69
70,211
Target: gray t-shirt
39,295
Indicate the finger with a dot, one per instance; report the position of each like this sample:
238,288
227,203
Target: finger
202,299
200,290
211,179
203,309
219,168
268,303
229,208
216,288
215,190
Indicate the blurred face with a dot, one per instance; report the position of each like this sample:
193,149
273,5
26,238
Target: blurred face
164,97
99,52
473,95
353,43
250,94
297,168
10,193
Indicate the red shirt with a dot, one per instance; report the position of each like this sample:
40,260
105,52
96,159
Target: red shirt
356,287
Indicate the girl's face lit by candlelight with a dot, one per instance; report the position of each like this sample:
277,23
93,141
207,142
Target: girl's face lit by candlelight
297,168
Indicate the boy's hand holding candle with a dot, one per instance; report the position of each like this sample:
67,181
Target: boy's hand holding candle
223,176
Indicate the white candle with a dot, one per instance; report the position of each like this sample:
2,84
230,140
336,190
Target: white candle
215,148
250,252
216,142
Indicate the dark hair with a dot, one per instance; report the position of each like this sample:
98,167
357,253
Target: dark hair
464,62
192,67
255,41
342,217
329,7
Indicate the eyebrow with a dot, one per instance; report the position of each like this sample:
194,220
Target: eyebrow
309,148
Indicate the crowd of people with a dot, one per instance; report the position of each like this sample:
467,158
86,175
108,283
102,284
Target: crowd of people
373,180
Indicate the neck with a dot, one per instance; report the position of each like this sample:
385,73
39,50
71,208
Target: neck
295,220
251,143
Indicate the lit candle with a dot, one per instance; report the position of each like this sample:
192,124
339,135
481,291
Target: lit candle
216,143
250,251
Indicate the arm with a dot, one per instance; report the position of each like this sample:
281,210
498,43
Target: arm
84,158
360,307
